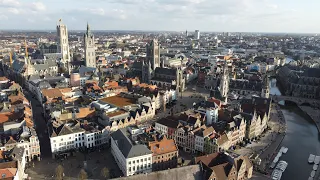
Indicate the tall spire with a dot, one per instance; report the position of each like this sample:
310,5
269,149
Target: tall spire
26,48
88,27
11,54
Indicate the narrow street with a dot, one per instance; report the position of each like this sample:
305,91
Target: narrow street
40,125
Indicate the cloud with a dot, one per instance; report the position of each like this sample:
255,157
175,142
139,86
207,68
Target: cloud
14,10
9,3
38,6
3,17
30,20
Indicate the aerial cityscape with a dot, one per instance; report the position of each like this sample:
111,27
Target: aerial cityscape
189,104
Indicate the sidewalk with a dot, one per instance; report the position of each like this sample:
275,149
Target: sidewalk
271,140
278,126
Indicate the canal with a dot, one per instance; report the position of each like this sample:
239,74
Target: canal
302,139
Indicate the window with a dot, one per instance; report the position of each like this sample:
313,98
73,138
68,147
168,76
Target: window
145,159
149,158
133,162
129,162
138,161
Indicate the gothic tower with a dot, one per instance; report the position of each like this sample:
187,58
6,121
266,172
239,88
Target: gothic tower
63,42
153,54
146,72
29,69
179,80
224,82
90,54
265,88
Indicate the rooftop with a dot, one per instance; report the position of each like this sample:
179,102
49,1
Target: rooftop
118,101
163,146
127,148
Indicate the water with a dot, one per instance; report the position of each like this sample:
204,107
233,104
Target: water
288,59
302,139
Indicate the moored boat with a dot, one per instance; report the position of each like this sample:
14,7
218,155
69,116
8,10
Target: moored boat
317,160
311,158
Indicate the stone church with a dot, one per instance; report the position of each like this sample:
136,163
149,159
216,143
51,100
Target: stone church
152,71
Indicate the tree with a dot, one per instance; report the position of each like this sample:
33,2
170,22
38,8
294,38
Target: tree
83,174
104,173
59,172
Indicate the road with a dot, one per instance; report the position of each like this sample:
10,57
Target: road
40,125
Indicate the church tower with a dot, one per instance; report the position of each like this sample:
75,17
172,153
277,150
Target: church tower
224,82
29,69
265,92
153,54
63,42
90,53
146,72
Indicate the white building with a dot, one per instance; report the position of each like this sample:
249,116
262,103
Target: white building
131,156
72,136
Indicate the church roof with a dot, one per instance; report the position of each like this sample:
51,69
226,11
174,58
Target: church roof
166,71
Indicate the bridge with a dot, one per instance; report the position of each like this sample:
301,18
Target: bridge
299,101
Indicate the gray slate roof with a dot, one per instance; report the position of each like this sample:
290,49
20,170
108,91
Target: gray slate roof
166,71
127,148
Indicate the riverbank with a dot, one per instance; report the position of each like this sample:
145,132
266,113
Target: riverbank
277,123
313,113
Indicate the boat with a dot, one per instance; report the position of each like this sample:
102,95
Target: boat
282,165
276,175
311,158
284,150
272,165
315,167
313,173
317,160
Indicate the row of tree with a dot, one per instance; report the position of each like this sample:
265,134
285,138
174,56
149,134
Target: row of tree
82,174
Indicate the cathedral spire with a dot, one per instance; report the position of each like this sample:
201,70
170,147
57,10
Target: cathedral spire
26,48
88,28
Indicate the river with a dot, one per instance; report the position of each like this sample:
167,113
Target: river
302,139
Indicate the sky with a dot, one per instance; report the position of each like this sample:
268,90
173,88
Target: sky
297,16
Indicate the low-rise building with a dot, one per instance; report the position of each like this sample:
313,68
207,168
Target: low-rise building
164,154
65,138
131,156
221,166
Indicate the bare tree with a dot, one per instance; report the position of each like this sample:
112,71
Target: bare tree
83,174
104,173
59,172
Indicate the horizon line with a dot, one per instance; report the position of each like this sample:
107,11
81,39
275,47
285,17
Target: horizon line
53,30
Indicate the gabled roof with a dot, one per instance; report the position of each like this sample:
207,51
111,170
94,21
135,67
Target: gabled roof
127,148
163,146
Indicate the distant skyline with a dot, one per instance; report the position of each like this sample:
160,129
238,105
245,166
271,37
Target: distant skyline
287,16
